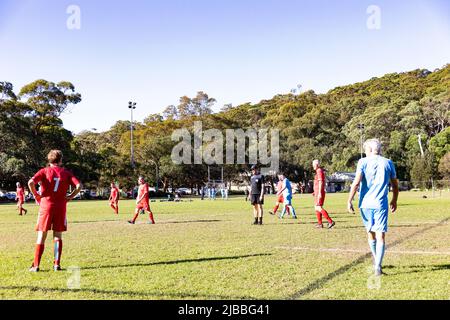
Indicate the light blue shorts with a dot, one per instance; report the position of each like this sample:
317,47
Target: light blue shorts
375,220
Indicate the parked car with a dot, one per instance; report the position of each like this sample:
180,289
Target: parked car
183,191
85,194
77,197
29,197
11,196
3,197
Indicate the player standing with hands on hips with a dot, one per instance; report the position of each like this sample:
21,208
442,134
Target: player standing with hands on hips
20,198
114,198
373,175
257,194
319,196
55,181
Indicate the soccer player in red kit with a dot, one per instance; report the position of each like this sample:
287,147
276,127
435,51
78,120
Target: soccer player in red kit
20,198
114,198
142,202
55,182
319,196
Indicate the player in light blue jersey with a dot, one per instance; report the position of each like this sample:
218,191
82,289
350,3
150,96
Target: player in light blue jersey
373,176
286,190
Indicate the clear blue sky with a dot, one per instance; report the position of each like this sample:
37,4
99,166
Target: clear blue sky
235,50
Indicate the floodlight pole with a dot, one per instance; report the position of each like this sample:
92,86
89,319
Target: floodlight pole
361,128
209,175
132,106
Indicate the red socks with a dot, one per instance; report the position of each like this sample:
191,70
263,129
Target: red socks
38,251
151,217
319,217
326,216
323,213
116,209
275,209
57,251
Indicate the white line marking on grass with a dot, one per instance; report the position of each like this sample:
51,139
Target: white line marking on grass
365,251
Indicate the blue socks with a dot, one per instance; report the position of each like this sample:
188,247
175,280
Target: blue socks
373,248
292,211
283,212
380,248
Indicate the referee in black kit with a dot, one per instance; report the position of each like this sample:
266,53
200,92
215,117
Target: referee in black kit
257,194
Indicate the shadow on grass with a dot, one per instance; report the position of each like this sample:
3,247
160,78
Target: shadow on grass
176,262
162,222
417,269
394,226
321,282
131,294
93,221
192,221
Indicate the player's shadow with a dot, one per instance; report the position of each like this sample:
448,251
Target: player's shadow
408,225
351,227
172,262
189,221
391,226
93,221
418,269
133,294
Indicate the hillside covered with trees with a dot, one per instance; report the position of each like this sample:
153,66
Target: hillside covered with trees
395,108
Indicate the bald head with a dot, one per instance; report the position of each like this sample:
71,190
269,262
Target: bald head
316,164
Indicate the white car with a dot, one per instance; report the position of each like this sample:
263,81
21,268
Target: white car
184,191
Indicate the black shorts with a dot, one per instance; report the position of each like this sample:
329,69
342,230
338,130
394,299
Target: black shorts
255,199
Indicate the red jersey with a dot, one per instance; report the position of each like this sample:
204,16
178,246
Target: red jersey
279,186
55,182
20,192
320,176
143,189
114,194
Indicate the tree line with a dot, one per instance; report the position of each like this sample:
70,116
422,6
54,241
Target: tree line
400,109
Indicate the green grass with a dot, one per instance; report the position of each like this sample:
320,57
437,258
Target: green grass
210,250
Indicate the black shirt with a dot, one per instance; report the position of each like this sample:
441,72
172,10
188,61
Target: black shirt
257,183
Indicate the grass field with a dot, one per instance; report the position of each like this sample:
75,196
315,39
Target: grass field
210,250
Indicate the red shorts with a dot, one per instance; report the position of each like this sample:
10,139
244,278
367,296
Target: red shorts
320,202
52,217
280,199
143,205
114,201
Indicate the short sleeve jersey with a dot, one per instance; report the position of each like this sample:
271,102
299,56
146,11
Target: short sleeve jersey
143,189
115,194
257,183
287,193
376,173
20,193
55,182
320,176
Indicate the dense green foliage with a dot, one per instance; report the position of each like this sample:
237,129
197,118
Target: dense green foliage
396,108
